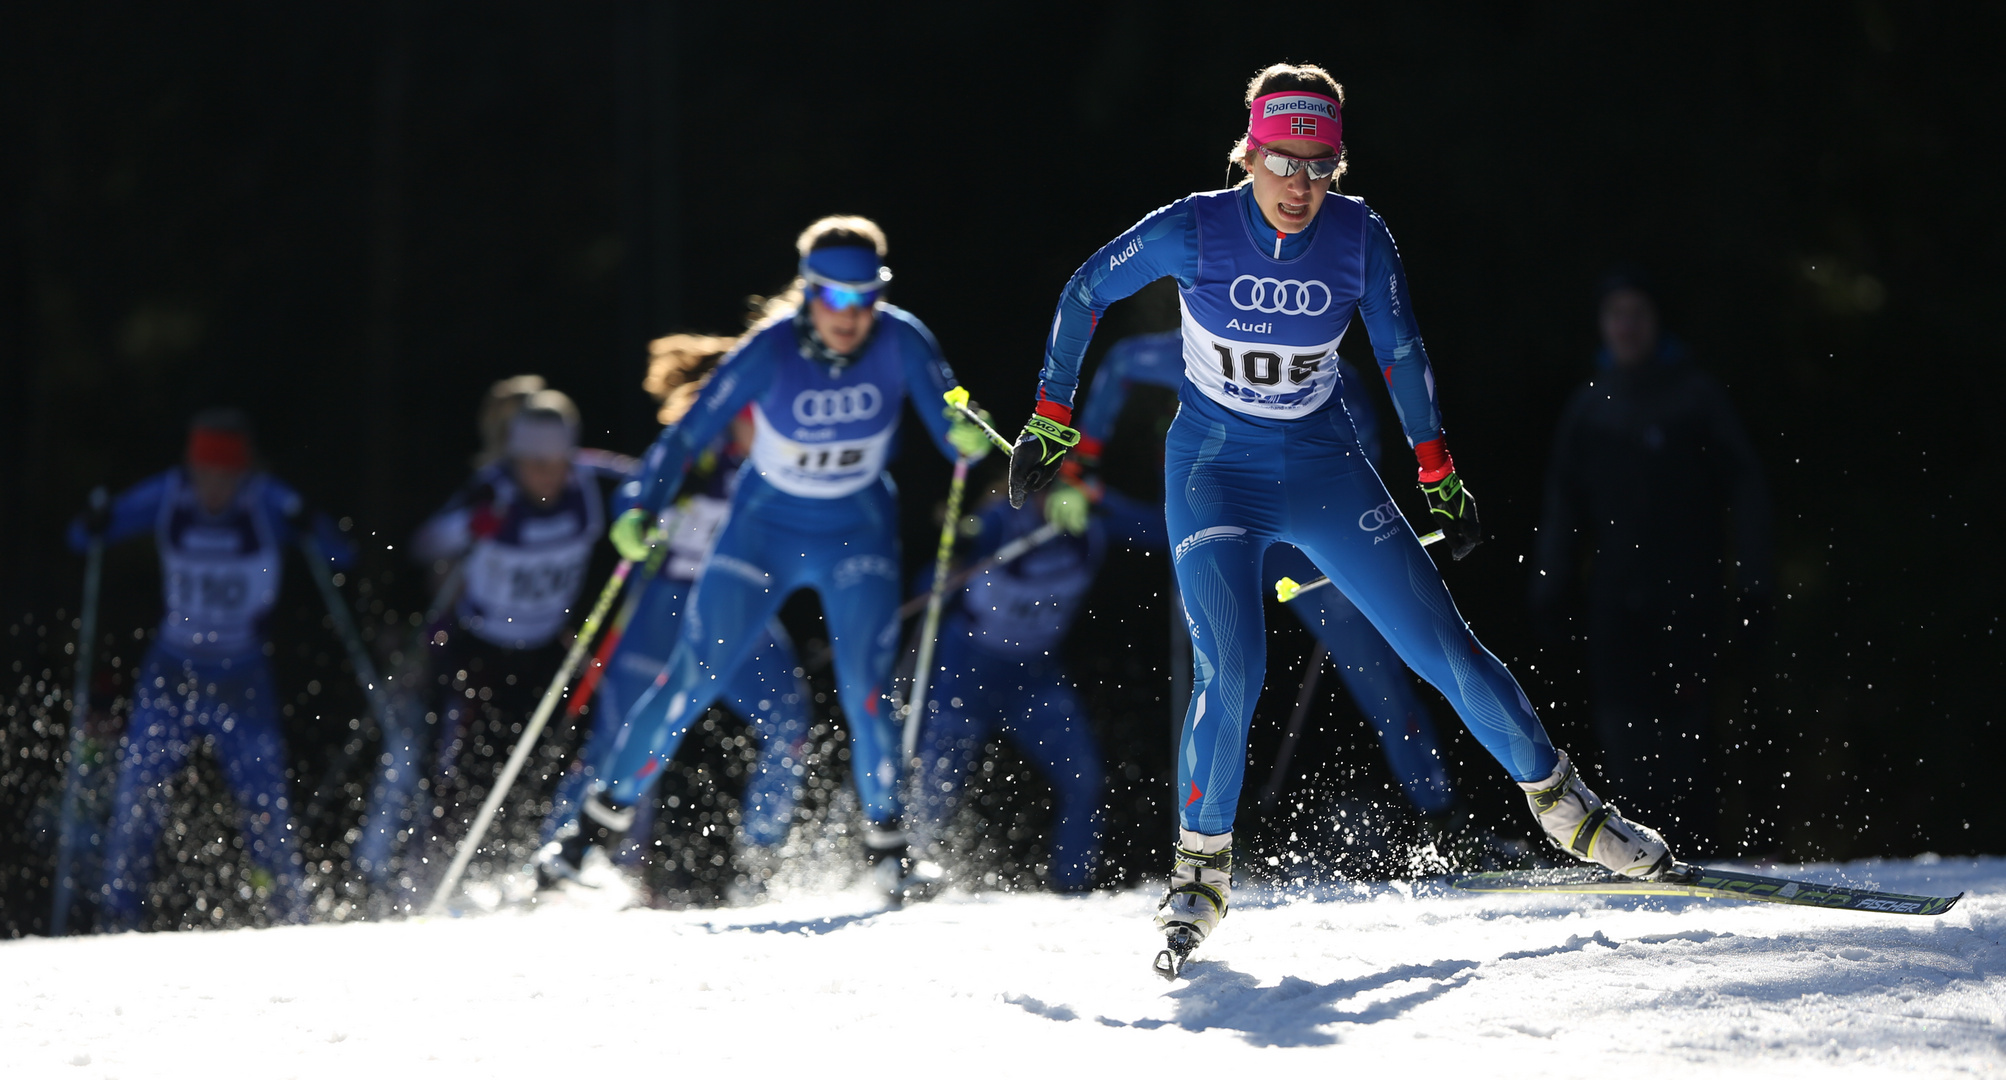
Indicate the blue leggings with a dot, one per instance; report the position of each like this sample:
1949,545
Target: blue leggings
178,704
851,559
1236,486
1376,679
764,690
1031,700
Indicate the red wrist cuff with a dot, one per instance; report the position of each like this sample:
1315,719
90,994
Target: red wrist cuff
1052,410
1088,447
1435,460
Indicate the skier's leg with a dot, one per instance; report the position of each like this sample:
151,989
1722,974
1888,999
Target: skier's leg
394,793
1376,679
253,757
1222,503
640,656
158,740
768,693
1048,725
1340,515
859,589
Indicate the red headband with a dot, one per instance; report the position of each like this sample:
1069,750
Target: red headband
219,449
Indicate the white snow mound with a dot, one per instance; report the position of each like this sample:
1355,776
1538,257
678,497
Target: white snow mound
1383,976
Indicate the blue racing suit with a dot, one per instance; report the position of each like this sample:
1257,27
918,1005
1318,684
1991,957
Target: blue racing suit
1372,671
814,510
1263,450
766,691
997,666
206,678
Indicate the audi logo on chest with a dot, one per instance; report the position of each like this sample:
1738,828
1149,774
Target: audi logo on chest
838,406
1273,297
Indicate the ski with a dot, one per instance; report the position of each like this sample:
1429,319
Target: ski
1179,943
1688,880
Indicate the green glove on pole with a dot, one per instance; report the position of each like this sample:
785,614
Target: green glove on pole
922,672
530,731
80,709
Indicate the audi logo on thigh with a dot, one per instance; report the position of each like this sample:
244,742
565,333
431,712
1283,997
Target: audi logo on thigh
1379,517
838,406
1267,295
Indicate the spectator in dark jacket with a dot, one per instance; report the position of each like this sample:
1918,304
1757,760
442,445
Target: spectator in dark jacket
1655,510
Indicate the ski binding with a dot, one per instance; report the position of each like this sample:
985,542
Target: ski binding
1179,943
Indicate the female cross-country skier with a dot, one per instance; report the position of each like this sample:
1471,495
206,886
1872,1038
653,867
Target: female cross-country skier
222,526
1269,274
1371,670
523,530
825,373
765,691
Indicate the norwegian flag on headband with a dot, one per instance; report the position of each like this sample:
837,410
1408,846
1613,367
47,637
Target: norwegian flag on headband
1302,125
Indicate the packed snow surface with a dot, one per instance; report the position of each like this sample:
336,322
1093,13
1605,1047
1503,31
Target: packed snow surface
1387,975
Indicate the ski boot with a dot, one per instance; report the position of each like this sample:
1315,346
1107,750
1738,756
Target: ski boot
1200,885
1581,824
599,824
897,872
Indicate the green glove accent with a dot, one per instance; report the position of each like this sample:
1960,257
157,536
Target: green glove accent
1036,458
630,535
1451,506
966,436
1067,508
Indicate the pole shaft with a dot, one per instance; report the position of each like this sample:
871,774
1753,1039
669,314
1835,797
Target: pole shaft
478,831
80,707
915,706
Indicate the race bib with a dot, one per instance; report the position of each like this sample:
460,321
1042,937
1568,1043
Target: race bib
692,529
1262,378
818,470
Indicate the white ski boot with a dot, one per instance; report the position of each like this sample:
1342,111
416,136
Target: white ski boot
1581,824
581,856
1201,884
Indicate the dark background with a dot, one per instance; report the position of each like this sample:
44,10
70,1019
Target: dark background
349,219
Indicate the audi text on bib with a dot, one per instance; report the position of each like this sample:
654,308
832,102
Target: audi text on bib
1261,334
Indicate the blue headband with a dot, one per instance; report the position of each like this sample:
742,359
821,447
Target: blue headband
847,266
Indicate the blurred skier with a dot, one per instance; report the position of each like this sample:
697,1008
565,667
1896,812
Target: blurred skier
1372,672
1270,274
524,528
765,691
1649,463
825,373
997,666
221,525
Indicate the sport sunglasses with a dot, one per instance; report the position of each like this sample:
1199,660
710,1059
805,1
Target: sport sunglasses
842,295
1287,165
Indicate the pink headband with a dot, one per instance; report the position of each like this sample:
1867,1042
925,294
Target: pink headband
1296,114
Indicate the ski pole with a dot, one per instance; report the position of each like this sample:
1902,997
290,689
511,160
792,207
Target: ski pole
1288,589
80,707
373,688
1294,733
562,679
915,706
1008,552
589,682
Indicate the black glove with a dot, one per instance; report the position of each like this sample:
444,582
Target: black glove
1036,458
1452,509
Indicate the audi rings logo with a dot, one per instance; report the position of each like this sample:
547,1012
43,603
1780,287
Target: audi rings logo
1379,517
1291,297
838,406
